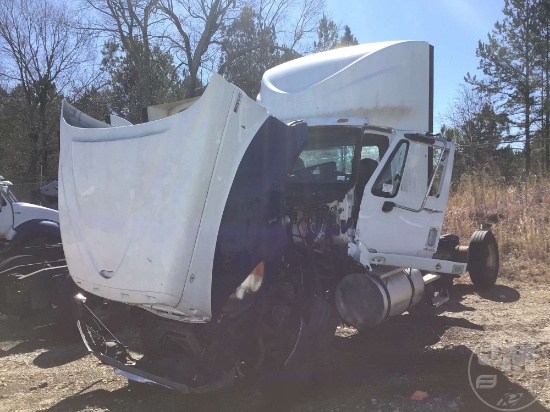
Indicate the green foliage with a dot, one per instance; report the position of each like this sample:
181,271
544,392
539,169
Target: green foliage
485,131
327,35
19,134
348,39
249,49
139,79
510,64
511,103
478,131
15,144
94,102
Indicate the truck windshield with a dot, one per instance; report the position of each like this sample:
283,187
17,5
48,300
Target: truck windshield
8,194
328,155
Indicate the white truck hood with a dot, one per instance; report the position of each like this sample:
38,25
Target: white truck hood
140,205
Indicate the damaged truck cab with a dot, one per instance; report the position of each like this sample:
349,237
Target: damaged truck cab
270,222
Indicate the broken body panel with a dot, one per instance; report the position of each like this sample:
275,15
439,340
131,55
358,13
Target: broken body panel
150,239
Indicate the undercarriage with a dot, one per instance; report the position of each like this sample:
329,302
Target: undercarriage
281,335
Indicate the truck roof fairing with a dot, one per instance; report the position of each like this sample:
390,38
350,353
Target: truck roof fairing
152,238
388,83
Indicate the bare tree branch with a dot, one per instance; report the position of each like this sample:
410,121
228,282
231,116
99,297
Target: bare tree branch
42,53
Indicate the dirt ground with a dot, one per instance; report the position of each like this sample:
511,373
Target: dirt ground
376,370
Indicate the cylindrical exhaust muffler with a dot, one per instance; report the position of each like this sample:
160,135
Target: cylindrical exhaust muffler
364,300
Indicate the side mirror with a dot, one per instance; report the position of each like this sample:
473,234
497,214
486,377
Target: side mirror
387,207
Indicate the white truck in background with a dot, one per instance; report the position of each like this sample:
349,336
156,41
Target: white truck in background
244,240
24,224
33,272
28,234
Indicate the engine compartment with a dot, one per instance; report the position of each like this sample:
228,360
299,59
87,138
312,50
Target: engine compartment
325,189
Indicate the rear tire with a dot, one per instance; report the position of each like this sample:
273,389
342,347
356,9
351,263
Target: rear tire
483,259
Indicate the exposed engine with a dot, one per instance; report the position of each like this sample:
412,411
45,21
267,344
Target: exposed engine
327,226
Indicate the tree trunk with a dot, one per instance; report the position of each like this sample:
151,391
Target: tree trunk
192,80
41,143
546,102
527,138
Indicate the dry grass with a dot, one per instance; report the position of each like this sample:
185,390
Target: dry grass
519,216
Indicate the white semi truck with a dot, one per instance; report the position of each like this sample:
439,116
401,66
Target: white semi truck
25,224
244,232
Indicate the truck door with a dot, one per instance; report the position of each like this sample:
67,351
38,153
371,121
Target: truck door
403,205
6,214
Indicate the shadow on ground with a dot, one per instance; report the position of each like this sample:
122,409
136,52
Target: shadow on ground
497,293
34,332
373,370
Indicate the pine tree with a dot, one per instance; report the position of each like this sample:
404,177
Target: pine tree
509,62
327,35
249,49
348,39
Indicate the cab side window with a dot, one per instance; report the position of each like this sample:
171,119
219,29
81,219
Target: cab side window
388,181
437,171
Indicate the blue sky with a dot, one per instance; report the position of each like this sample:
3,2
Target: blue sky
453,27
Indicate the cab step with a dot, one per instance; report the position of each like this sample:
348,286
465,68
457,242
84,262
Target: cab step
439,300
430,277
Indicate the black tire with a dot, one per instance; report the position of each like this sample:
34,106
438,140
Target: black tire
305,359
483,259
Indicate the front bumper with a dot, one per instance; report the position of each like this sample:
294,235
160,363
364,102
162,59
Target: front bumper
104,345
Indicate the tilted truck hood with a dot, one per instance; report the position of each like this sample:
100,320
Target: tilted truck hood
141,205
